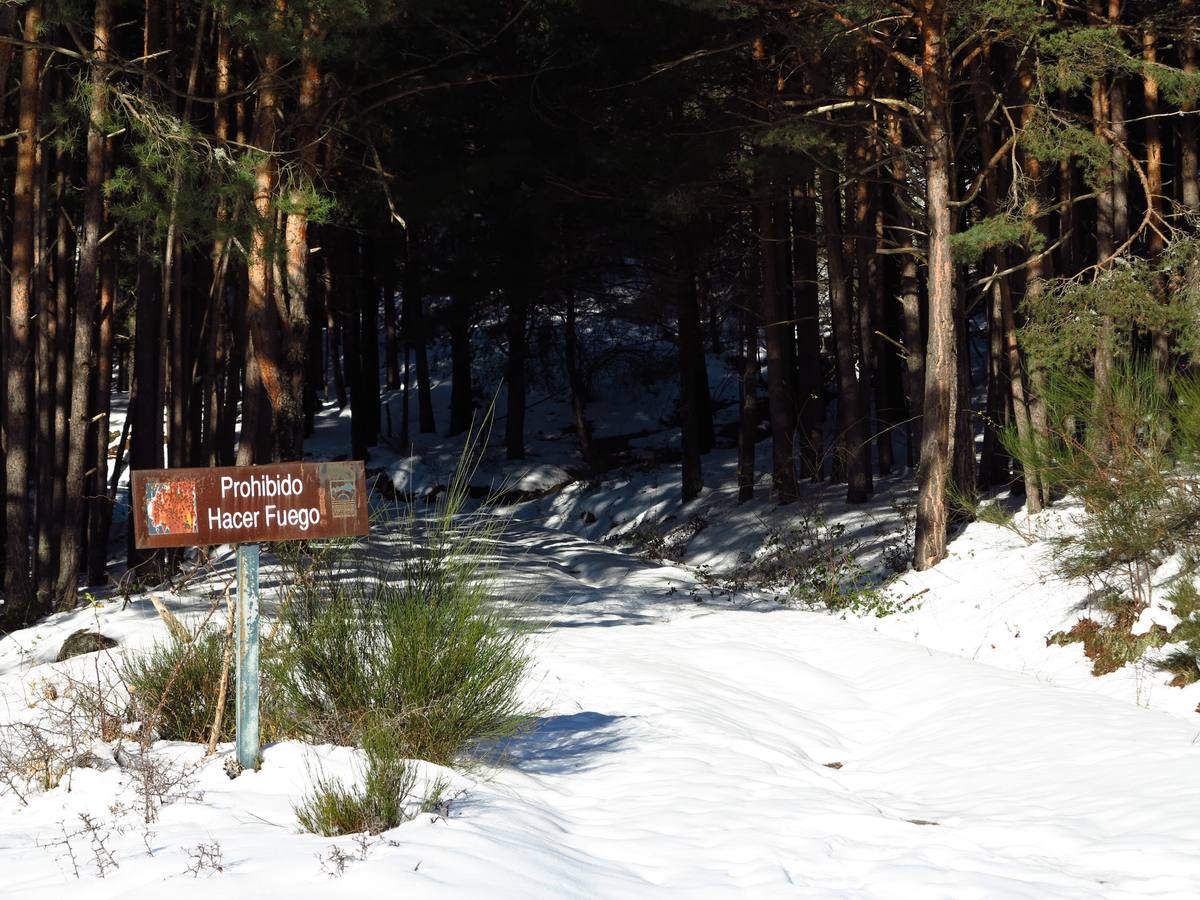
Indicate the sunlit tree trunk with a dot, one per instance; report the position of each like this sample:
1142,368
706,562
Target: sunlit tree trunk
18,588
941,354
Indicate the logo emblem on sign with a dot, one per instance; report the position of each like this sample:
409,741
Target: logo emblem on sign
171,507
341,486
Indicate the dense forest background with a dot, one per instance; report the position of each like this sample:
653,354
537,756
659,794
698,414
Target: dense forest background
236,210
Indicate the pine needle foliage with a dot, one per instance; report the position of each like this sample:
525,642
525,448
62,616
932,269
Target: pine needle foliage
1129,451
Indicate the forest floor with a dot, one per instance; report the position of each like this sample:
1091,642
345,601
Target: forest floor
686,740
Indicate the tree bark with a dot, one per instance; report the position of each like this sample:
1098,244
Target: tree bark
910,295
748,413
368,345
290,414
86,282
413,322
1105,210
1027,406
1189,144
515,325
778,326
460,356
146,393
851,413
691,354
941,353
100,508
272,409
391,361
18,596
46,330
577,386
809,390
1155,244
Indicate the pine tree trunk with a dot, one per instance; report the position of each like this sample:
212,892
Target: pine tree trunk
218,379
851,408
993,463
18,595
860,217
460,359
347,282
748,413
1155,244
1105,210
910,297
333,327
86,282
941,355
706,433
64,260
145,401
391,361
515,325
99,508
290,415
1189,144
575,381
315,388
269,411
778,327
421,361
46,331
809,391
1028,408
964,472
369,341
691,354
413,320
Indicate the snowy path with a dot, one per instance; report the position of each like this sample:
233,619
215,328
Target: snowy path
1035,791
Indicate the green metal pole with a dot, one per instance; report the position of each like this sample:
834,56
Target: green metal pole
247,656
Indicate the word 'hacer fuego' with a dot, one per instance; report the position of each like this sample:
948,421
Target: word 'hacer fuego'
271,515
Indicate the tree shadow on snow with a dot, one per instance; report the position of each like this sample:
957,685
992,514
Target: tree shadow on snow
556,745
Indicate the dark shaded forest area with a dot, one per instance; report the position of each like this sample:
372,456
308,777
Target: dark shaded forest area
236,210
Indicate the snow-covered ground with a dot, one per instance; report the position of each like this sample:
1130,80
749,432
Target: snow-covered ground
685,743
711,748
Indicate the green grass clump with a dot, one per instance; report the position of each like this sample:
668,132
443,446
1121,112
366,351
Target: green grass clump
384,800
174,686
176,683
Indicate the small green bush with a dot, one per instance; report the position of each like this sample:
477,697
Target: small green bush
384,800
178,681
174,686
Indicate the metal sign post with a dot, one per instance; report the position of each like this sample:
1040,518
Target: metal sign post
247,656
244,505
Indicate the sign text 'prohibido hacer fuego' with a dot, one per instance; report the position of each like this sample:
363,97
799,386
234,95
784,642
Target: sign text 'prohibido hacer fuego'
286,502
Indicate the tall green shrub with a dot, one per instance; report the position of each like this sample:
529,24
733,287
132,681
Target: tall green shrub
413,640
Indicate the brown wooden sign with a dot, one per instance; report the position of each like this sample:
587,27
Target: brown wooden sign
243,504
